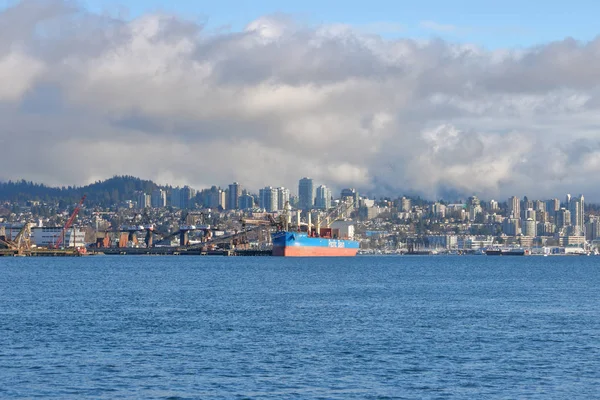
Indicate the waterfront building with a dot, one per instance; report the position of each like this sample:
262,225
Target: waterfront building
442,241
47,236
475,242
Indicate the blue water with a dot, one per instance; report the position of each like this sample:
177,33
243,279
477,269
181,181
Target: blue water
361,328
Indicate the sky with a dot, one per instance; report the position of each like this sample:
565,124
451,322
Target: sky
509,23
434,99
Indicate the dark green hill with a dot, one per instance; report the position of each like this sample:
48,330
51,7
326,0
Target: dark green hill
102,193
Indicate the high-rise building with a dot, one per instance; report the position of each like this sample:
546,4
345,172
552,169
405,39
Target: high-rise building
530,213
306,194
563,218
473,201
552,207
158,198
187,195
182,197
283,197
439,210
474,211
233,196
530,228
493,205
323,199
246,201
211,198
511,226
222,199
405,204
514,207
526,205
348,192
540,205
350,195
592,229
268,198
176,197
546,229
143,200
576,207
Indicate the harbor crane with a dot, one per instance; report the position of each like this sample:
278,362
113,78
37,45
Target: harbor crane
60,239
21,242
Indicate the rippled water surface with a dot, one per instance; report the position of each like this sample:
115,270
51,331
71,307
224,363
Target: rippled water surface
365,327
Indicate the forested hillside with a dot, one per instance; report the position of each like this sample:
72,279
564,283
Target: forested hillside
101,193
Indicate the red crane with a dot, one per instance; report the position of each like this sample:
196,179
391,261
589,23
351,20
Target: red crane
69,223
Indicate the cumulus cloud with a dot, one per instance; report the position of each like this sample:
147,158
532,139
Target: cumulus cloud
87,96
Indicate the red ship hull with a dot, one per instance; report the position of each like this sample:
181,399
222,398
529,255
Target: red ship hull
310,251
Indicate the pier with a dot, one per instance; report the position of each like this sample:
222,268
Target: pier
116,251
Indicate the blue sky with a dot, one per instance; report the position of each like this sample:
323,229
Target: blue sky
509,23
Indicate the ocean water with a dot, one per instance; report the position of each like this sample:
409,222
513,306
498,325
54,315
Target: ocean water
401,327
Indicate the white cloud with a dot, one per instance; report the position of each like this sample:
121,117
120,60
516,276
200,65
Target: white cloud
160,98
19,72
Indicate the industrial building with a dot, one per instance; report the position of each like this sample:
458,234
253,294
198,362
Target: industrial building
47,236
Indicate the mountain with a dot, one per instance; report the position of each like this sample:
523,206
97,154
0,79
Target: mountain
101,193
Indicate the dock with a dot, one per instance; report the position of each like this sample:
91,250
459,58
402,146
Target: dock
40,253
155,251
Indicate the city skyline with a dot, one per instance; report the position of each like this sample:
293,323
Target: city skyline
174,99
164,190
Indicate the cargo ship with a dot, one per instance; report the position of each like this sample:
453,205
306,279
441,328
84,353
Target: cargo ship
308,240
301,244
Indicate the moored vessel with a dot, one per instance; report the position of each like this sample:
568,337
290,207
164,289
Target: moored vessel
301,244
322,240
497,251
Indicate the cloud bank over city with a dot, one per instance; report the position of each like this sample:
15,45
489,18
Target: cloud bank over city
87,96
